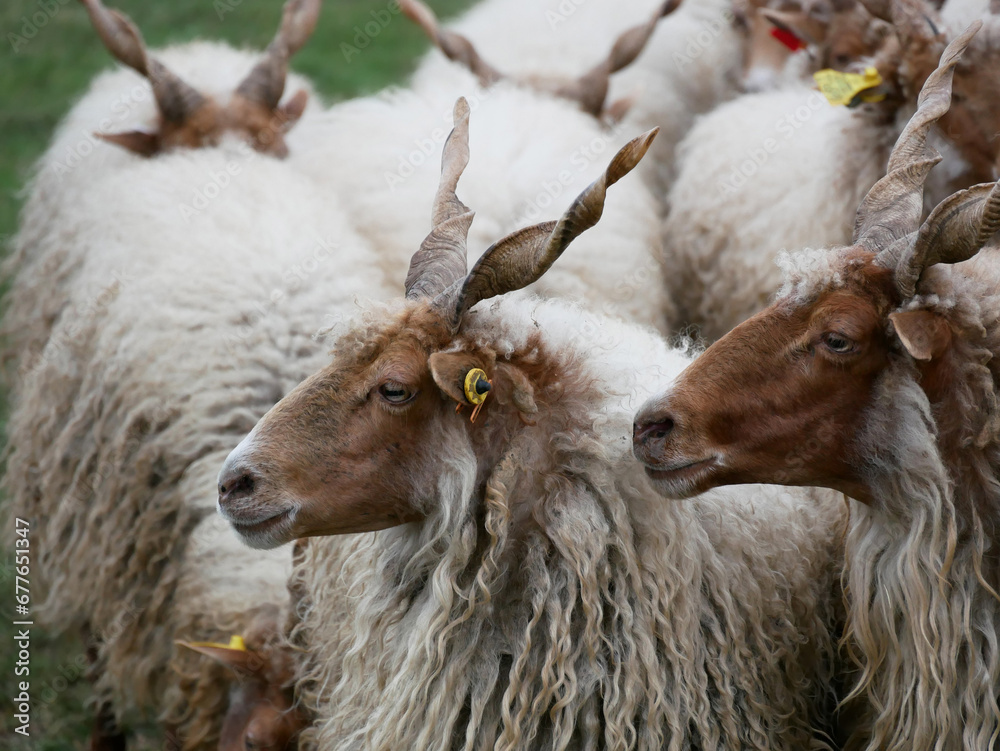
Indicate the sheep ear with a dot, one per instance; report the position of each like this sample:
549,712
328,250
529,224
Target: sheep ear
137,141
233,658
522,393
925,335
292,110
450,369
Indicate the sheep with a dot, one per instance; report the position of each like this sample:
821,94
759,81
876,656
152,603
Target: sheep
121,107
829,33
731,198
691,62
161,327
589,90
876,373
731,209
526,588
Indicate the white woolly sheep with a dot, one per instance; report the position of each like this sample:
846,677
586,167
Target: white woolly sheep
168,303
527,589
691,62
123,102
781,170
382,148
885,357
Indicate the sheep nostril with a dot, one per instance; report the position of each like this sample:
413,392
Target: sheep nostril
655,431
239,485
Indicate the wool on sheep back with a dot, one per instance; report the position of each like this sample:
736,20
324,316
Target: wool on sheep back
767,172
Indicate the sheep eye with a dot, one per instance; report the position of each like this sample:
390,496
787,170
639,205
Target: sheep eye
395,393
838,343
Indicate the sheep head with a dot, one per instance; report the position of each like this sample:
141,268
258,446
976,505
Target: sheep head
360,445
838,34
973,122
792,395
589,91
262,715
189,119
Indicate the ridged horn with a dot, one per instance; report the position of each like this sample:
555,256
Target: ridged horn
442,259
265,84
176,100
891,211
524,256
454,46
954,232
591,89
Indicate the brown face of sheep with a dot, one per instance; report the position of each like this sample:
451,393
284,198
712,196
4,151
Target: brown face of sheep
973,123
841,35
262,715
358,446
189,119
785,397
779,398
355,448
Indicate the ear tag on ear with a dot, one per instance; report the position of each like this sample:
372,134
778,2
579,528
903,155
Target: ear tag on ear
849,89
477,388
235,642
788,39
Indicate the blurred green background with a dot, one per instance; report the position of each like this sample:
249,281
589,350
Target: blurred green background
49,55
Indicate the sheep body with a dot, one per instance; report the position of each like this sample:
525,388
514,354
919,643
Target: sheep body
157,329
691,63
569,606
794,175
547,152
116,101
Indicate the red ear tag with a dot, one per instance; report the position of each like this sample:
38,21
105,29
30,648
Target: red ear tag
788,39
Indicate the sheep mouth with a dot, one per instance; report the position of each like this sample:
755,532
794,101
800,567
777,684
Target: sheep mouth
684,479
263,533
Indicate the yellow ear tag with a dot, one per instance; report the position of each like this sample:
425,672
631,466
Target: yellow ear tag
477,388
235,642
849,89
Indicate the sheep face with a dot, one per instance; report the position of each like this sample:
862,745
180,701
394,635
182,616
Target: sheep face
354,448
971,124
262,714
261,717
360,446
191,120
840,35
809,392
780,398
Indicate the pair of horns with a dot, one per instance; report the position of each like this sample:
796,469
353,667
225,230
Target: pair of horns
589,90
438,269
888,220
177,100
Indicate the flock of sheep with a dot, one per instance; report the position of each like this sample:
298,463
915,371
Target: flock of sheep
526,508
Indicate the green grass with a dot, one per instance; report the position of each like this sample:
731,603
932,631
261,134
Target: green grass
39,81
